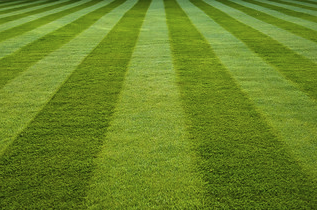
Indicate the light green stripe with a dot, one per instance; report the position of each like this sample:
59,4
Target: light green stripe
292,113
297,9
31,9
302,3
299,21
24,96
298,44
21,21
10,46
146,161
16,6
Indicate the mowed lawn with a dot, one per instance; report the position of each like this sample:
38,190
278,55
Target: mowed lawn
158,104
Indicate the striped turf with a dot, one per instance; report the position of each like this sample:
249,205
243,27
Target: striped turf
285,10
36,85
295,20
59,145
146,162
14,44
295,4
289,26
20,14
19,22
18,62
18,30
27,8
17,6
281,57
282,36
105,109
235,144
311,12
288,110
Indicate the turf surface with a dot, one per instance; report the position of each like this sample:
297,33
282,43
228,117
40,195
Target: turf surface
165,104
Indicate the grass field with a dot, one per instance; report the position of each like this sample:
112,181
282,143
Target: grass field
158,104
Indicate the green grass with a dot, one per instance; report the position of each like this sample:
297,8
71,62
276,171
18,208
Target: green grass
163,104
295,4
146,148
36,86
34,12
235,145
20,8
282,58
299,30
18,30
285,11
29,55
61,142
288,110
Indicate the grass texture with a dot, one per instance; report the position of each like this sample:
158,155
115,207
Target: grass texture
285,10
27,56
163,104
146,149
236,146
36,11
16,6
281,57
18,30
57,163
36,86
289,111
299,30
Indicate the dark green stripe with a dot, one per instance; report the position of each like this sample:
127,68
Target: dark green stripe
307,1
294,67
18,16
10,33
17,3
25,7
49,165
289,26
14,64
295,5
285,11
243,163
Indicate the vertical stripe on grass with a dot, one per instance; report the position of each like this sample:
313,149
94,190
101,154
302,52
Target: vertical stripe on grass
23,97
292,114
49,165
28,8
244,164
296,4
39,9
12,45
299,30
285,11
297,8
294,67
15,23
276,34
296,20
16,31
306,2
16,63
16,6
146,162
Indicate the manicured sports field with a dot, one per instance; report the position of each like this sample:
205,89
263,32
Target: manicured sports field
158,104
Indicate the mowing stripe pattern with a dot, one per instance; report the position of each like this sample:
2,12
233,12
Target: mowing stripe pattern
163,104
36,86
231,137
60,143
18,62
146,151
